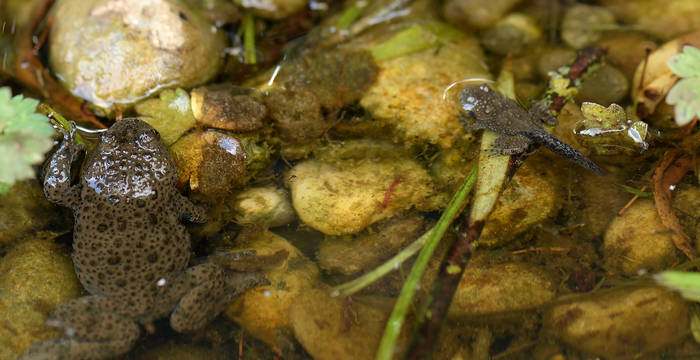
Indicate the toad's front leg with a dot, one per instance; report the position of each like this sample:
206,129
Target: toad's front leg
57,185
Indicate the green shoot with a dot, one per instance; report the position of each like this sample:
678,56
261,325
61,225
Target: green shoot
405,299
634,191
249,39
351,14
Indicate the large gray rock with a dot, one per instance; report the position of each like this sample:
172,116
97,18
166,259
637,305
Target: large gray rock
120,51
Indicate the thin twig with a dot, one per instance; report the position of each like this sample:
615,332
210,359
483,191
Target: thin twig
629,203
539,249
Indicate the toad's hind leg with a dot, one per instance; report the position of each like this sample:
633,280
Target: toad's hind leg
509,145
93,329
210,288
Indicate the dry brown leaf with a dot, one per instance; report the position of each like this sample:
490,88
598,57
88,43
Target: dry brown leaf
667,174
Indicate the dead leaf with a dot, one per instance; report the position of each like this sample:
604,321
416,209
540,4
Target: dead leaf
666,176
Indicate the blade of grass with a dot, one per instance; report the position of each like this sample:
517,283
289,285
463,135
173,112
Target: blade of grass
249,39
388,266
351,14
405,299
634,191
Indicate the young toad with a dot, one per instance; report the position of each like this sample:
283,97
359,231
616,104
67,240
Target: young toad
518,128
130,250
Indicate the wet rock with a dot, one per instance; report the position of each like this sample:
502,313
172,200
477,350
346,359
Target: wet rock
476,13
626,50
170,114
554,58
606,85
620,323
35,277
348,254
296,114
662,19
638,240
344,189
599,201
121,51
265,205
209,161
330,328
584,24
24,209
513,34
491,289
272,9
336,78
263,311
686,205
531,197
408,93
227,107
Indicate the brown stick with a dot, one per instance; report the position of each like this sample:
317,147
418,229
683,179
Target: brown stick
629,203
444,288
30,72
667,174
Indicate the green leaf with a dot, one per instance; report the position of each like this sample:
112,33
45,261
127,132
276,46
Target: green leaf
687,63
685,94
634,191
687,283
24,137
4,188
413,39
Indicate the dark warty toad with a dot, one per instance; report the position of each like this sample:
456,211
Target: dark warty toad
518,128
130,250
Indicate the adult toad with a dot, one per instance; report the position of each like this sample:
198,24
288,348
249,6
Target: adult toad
130,250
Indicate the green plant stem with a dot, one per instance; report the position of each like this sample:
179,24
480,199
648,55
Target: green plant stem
351,14
398,315
249,39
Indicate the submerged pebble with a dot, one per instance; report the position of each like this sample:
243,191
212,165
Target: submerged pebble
487,289
513,34
662,19
476,13
604,86
638,240
264,205
532,196
331,328
584,24
407,96
263,311
357,183
35,277
348,254
620,324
